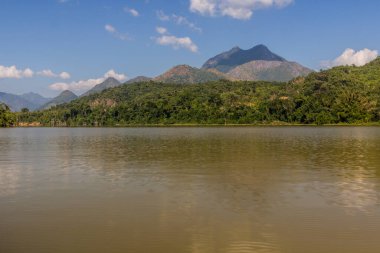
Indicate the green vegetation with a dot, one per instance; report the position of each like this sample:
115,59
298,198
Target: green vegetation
7,118
348,95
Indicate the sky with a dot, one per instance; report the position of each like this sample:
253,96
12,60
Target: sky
47,46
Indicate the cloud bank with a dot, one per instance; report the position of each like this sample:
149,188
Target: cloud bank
237,9
352,57
14,72
49,73
84,85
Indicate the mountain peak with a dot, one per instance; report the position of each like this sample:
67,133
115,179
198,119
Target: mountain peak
260,46
66,92
111,79
236,56
65,96
110,82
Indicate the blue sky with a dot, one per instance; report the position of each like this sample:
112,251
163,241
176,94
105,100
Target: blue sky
68,42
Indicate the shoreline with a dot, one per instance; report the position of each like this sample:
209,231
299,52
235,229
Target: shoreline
375,124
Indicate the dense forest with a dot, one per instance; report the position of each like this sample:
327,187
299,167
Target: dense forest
346,94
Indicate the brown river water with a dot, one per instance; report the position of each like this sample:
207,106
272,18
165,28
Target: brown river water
248,189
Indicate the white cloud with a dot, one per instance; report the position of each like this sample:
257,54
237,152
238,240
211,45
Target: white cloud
28,73
352,57
83,85
49,73
112,73
161,30
132,11
176,42
162,16
13,72
180,20
46,73
238,9
64,75
112,30
204,7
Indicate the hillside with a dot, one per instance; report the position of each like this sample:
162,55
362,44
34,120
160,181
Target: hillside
65,97
268,71
339,95
184,74
138,79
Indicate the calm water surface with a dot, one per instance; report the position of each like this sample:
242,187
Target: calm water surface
272,190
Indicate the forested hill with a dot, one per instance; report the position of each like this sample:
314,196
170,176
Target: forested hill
339,95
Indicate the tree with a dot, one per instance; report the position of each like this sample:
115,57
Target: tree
7,118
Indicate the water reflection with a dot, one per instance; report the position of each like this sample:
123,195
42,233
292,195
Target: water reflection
190,190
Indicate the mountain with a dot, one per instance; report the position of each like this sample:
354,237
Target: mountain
236,56
185,74
35,98
16,102
257,63
65,97
139,79
346,94
108,83
268,71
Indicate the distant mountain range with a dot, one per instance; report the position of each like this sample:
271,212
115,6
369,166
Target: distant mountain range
257,63
32,101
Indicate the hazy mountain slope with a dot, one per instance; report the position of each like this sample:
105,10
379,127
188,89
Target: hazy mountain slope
108,83
65,97
16,102
268,71
35,98
182,74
